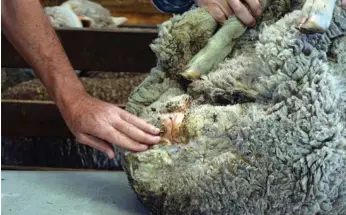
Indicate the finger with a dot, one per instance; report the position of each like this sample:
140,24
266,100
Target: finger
216,12
242,12
117,138
255,7
138,122
97,144
226,8
135,133
343,4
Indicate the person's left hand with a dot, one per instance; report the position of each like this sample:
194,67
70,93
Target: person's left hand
100,124
221,10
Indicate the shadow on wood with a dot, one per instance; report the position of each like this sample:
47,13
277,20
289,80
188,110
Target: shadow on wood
32,119
124,49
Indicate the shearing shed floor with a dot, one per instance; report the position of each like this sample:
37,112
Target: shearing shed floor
59,192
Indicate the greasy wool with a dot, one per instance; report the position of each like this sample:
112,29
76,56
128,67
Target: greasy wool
263,133
113,90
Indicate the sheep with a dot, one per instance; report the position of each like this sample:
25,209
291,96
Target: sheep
93,15
62,17
316,18
262,132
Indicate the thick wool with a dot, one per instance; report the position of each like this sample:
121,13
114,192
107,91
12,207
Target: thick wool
111,90
263,133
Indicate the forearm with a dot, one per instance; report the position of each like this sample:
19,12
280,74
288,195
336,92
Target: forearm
28,29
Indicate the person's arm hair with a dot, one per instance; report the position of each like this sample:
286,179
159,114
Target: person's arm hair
27,27
94,122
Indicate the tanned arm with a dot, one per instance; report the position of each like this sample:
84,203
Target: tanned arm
93,122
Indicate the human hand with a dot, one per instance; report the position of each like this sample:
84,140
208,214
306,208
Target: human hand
98,124
221,10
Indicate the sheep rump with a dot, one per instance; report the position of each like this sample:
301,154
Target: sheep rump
262,133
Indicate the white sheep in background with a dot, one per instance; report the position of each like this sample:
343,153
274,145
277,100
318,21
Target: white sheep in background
93,15
261,132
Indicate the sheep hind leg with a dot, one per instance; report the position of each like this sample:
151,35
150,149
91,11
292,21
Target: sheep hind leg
317,16
217,48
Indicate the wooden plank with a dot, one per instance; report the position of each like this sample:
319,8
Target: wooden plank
32,119
124,49
143,18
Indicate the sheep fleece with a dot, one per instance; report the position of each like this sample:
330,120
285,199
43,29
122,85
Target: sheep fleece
268,125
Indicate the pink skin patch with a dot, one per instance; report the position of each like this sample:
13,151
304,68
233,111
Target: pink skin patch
343,4
172,127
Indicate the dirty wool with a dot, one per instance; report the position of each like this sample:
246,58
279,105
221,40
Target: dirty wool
263,132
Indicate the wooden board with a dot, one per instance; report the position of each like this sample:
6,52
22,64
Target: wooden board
32,119
124,49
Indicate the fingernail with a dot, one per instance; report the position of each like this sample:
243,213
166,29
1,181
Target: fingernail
110,154
143,147
156,130
157,139
253,22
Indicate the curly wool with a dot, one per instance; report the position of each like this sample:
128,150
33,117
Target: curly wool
266,130
115,91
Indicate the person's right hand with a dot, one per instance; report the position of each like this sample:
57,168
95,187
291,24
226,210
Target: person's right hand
98,124
221,10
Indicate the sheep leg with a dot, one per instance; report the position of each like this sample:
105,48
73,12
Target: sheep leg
217,48
119,20
317,16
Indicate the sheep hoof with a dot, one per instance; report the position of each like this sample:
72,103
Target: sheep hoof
317,16
119,20
312,25
191,73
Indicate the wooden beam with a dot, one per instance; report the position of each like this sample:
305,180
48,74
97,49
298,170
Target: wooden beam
32,119
124,49
143,18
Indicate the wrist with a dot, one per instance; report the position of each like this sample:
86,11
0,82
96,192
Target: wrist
67,92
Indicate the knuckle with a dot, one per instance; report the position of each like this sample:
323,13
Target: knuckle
127,117
218,16
129,129
116,121
237,9
117,139
147,138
